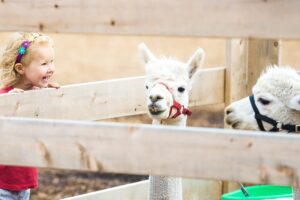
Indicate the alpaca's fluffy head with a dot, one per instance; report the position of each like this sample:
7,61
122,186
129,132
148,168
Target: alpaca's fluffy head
277,95
167,79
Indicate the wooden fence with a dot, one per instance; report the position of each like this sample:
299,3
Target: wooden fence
57,140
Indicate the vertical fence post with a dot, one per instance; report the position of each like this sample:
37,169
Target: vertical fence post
236,70
245,60
260,54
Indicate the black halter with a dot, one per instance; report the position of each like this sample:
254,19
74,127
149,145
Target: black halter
277,125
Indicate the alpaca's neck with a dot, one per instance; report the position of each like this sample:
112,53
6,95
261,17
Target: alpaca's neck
181,121
164,187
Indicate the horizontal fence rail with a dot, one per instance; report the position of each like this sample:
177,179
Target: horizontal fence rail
217,154
192,189
132,191
229,18
104,99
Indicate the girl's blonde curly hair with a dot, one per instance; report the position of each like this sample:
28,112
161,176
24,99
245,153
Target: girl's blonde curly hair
9,75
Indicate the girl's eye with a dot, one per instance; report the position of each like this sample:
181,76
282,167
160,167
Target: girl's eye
44,63
264,101
181,89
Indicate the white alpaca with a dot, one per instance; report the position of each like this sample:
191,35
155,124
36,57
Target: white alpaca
168,82
275,105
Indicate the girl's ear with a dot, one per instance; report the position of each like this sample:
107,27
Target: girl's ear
195,62
20,68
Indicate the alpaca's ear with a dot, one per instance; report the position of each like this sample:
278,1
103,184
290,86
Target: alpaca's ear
145,54
295,103
195,62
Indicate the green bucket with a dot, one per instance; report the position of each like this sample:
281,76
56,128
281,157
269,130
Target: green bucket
260,192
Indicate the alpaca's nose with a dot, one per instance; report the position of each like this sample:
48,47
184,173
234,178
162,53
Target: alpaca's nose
228,111
155,98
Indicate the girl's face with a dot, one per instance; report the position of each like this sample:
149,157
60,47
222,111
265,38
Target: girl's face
40,68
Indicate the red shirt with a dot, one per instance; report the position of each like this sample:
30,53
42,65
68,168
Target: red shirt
17,178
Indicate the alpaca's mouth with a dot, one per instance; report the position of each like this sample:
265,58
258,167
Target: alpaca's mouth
233,123
155,110
227,120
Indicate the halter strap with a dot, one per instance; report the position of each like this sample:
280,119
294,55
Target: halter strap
277,125
180,109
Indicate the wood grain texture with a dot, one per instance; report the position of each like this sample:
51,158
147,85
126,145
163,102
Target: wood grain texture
229,18
104,99
215,154
192,190
246,59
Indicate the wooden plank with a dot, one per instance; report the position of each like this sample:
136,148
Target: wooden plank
208,87
217,154
192,189
236,71
104,99
246,59
261,53
229,18
236,82
106,48
133,191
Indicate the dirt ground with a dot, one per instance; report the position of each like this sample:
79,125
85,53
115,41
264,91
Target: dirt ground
58,184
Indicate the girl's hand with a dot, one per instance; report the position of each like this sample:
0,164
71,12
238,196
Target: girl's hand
53,85
35,88
16,90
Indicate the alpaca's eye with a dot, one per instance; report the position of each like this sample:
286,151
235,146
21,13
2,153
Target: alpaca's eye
147,87
181,89
264,101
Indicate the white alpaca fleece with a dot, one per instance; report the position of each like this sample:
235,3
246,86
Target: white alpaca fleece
170,67
167,68
168,79
277,95
281,82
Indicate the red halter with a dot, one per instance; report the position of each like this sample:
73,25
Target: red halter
180,109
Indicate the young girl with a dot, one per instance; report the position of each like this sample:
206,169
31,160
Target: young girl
27,63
